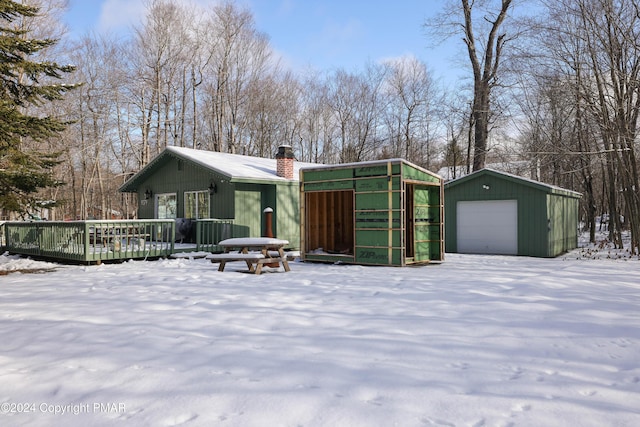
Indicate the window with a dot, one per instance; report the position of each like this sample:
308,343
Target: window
166,206
196,204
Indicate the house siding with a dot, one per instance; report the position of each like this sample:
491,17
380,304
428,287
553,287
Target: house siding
287,207
241,199
177,176
248,201
252,199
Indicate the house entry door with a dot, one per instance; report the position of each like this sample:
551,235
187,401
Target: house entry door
166,206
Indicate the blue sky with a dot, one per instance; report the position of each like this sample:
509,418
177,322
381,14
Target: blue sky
321,34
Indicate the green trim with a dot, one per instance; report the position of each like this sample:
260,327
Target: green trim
547,188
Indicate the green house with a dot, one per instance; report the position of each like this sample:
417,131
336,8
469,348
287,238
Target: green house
386,212
491,212
185,183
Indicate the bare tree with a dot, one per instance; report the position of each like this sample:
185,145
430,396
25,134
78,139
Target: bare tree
612,30
609,69
558,131
240,57
161,58
272,113
94,150
485,65
317,127
454,114
482,26
48,23
588,105
410,112
357,102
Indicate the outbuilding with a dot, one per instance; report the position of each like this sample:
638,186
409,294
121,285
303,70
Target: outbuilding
492,212
386,212
190,184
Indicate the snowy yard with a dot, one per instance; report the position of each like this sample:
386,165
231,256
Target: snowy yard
474,341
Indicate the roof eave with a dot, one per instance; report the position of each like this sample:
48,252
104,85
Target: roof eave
131,185
243,180
547,188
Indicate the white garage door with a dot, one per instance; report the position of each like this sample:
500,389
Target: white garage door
488,227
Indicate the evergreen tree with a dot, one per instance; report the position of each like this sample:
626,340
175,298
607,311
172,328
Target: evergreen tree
25,84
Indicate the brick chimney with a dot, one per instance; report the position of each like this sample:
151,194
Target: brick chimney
285,162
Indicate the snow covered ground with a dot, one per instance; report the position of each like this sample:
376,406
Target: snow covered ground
474,341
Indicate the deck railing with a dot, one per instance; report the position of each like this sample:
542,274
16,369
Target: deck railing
95,241
91,241
208,232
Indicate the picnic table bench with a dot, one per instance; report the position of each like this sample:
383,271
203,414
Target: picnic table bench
254,251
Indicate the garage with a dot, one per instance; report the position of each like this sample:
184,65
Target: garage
492,212
488,227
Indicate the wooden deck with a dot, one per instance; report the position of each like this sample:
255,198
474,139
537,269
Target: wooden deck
95,241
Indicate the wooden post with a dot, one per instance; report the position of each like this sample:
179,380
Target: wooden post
268,218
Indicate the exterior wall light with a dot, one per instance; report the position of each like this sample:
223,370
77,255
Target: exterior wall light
213,188
147,194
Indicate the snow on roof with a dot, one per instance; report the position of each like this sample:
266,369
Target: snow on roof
252,241
235,165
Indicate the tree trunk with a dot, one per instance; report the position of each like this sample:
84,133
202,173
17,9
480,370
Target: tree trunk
485,72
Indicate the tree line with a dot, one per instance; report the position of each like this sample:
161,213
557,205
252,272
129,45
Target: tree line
552,85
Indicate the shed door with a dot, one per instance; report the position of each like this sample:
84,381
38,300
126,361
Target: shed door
488,227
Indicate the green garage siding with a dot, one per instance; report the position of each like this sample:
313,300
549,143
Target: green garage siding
547,215
563,232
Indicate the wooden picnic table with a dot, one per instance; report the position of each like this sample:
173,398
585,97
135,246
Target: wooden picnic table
255,251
